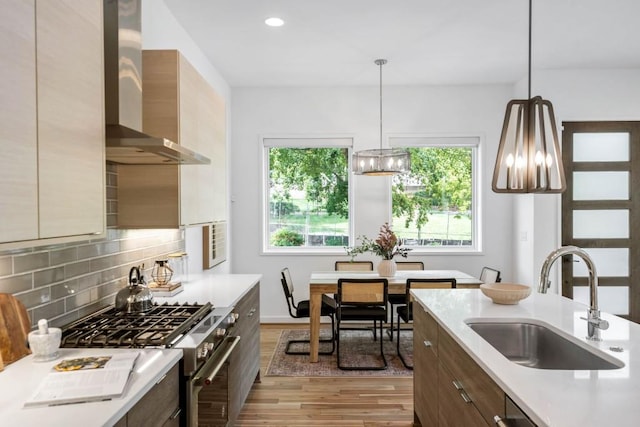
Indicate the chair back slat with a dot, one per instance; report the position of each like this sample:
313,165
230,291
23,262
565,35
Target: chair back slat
410,265
363,291
354,266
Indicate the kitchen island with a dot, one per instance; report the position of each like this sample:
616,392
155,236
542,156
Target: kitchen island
548,397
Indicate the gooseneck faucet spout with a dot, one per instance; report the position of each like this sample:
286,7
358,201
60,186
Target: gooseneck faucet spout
594,322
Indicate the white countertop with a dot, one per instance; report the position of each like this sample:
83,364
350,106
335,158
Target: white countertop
550,397
19,380
222,290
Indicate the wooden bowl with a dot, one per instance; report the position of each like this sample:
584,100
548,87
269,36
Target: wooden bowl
505,293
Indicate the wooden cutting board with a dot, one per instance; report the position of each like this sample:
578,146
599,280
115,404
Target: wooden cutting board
14,329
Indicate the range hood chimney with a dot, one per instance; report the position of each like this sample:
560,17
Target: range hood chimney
125,141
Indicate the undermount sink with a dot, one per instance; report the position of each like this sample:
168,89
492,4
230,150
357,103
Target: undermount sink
537,346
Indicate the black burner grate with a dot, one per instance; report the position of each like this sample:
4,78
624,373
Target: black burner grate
162,326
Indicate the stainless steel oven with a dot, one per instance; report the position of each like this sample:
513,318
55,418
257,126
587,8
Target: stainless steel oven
207,350
207,390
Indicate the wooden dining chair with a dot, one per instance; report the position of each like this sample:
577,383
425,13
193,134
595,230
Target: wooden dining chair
302,310
354,266
405,312
490,275
362,300
399,299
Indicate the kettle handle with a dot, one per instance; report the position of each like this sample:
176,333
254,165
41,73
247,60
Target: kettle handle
136,280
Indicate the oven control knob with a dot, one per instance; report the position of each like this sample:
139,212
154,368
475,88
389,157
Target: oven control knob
220,332
232,318
202,353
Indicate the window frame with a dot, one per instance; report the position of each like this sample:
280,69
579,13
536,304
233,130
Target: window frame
476,143
302,141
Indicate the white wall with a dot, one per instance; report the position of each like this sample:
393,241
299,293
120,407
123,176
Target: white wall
160,30
576,95
355,111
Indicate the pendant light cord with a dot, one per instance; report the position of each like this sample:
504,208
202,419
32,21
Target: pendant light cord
381,62
529,70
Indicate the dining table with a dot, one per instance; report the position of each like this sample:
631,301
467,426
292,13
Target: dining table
326,282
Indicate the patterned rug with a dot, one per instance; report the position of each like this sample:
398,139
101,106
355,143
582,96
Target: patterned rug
356,348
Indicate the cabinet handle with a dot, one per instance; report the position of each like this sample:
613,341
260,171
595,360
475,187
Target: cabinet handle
499,421
251,312
465,396
175,414
427,343
161,379
463,393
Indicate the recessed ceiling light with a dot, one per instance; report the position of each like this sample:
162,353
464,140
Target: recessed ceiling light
274,22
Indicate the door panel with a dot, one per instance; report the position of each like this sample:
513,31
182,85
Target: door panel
601,212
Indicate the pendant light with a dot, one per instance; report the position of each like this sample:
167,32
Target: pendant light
379,162
529,158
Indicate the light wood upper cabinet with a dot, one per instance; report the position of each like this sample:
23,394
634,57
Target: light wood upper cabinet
70,117
51,122
180,105
18,136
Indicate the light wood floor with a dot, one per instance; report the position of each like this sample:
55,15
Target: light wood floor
301,401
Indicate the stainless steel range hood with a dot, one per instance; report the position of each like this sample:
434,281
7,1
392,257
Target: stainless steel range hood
125,141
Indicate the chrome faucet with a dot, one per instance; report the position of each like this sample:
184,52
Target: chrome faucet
594,322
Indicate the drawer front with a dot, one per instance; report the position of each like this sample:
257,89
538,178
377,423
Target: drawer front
454,411
487,397
428,329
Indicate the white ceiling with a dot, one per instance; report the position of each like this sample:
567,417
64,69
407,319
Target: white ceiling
334,42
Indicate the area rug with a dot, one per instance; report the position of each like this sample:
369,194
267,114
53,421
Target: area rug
356,348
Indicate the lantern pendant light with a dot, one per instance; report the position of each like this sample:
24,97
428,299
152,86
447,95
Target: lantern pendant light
529,158
379,162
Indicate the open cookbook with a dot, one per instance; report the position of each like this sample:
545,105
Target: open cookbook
85,379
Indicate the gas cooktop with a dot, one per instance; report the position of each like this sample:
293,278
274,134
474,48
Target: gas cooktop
162,326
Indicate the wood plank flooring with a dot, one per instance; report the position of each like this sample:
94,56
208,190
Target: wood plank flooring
302,401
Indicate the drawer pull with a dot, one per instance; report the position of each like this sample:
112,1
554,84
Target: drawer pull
465,396
427,343
161,379
499,421
251,312
463,393
175,414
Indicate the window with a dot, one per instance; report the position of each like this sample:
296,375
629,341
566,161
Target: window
435,206
307,194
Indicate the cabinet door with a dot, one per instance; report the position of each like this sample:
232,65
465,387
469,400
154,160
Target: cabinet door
159,404
18,137
244,366
199,105
70,117
425,371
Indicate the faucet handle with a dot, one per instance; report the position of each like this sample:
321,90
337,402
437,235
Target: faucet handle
597,321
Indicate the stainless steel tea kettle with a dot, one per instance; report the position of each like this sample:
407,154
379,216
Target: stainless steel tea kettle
135,298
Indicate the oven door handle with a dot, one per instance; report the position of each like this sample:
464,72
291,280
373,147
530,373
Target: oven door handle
210,369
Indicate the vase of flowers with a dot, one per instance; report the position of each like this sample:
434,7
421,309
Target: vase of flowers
387,245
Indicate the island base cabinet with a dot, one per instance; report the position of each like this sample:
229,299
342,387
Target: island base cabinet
450,389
